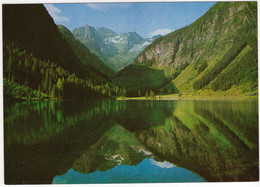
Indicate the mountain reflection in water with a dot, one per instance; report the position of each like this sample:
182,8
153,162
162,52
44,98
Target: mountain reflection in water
148,171
183,141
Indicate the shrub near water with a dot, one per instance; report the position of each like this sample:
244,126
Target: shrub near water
15,90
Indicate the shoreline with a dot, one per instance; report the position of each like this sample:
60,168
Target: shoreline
190,97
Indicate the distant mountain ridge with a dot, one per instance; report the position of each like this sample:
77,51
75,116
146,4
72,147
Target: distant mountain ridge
117,50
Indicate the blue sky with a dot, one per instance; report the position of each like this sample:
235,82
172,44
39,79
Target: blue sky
147,19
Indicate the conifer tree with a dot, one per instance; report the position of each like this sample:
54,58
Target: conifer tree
54,91
146,94
152,94
139,93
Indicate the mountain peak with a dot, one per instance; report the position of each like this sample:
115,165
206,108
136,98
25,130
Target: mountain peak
105,32
86,25
104,29
117,50
135,33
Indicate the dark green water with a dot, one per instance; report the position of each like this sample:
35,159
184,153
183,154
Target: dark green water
131,141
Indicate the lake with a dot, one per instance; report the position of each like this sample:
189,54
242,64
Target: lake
110,141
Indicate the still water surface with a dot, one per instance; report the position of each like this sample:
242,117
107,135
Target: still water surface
108,141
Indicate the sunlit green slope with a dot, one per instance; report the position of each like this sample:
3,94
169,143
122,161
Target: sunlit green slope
216,52
139,79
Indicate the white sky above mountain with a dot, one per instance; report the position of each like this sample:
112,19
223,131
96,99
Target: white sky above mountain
54,13
105,7
160,31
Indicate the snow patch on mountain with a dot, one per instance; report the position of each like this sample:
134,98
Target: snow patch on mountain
116,39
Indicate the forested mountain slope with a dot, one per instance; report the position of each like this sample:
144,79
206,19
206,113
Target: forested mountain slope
216,52
33,28
36,56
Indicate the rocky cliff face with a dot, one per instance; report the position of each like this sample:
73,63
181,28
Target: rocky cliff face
190,43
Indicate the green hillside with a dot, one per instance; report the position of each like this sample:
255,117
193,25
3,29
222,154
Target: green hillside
141,79
216,52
